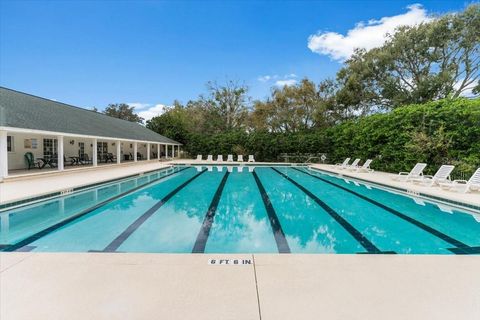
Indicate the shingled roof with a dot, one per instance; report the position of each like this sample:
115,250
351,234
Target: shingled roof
21,110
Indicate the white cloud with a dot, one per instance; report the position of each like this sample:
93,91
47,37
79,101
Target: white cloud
287,82
267,78
151,111
364,35
139,105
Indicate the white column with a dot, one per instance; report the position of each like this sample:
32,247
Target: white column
94,153
158,151
135,148
166,151
119,152
3,155
148,151
60,153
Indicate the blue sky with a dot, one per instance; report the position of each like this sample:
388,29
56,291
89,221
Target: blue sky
91,53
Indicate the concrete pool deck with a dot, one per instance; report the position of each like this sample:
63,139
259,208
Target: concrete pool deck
184,286
27,186
385,178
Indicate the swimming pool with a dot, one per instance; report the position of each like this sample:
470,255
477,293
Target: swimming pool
240,209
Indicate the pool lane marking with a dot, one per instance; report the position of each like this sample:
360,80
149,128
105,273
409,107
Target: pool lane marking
369,246
117,242
469,250
278,233
202,237
413,221
62,223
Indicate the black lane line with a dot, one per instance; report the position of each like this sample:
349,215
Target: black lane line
470,250
117,242
278,233
369,246
62,223
417,223
202,237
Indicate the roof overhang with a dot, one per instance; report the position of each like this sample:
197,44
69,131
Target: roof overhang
65,134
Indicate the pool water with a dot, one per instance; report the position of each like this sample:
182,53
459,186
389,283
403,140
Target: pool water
240,209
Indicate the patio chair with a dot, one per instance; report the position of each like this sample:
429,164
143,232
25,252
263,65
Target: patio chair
85,159
30,161
251,158
473,184
344,164
209,157
220,158
230,158
240,158
354,165
139,156
441,176
365,167
416,172
199,157
70,162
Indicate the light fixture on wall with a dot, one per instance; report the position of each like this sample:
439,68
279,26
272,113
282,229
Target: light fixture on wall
72,142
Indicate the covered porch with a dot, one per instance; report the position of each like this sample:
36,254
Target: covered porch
25,152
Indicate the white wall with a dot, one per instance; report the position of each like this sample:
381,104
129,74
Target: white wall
16,157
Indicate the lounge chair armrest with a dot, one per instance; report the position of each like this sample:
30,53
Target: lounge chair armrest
460,181
403,173
428,177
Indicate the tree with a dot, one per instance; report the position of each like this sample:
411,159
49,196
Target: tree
230,102
430,61
173,123
123,111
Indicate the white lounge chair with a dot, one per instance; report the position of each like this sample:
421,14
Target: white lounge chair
365,167
209,157
463,185
251,158
344,164
220,158
230,158
441,176
354,165
240,158
199,157
416,172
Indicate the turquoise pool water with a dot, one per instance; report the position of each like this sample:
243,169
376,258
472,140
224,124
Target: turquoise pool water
239,210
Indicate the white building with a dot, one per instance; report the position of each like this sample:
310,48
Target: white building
37,134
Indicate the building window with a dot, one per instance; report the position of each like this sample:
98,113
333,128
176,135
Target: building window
49,147
34,143
10,144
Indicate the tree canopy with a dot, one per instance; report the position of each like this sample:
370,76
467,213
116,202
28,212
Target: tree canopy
122,111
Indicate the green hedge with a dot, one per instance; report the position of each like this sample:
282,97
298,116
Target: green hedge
444,131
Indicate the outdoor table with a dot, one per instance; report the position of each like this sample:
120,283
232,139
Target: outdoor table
47,161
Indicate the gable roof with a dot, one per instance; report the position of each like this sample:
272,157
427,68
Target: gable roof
22,110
